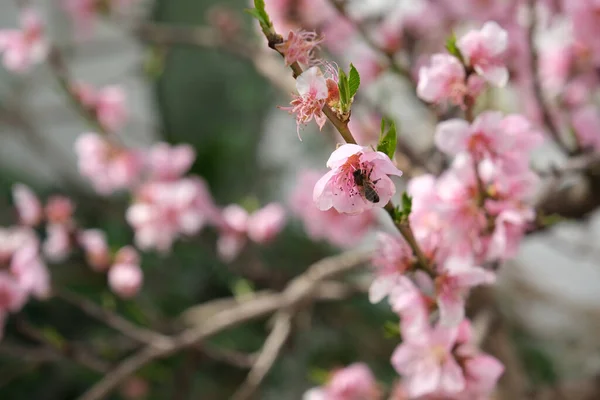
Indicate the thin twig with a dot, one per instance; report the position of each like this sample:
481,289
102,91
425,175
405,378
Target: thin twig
269,353
115,321
298,291
536,82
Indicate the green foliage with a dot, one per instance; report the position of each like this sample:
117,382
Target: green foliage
453,48
353,81
387,139
260,13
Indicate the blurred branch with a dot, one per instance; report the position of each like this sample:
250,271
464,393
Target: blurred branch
536,81
62,348
298,292
269,353
113,320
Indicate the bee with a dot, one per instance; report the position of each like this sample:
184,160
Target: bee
365,185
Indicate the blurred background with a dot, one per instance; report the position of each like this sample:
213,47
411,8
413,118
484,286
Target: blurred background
248,152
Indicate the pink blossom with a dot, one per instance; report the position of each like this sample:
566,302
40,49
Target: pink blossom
339,189
125,276
266,223
586,123
490,136
28,205
59,210
57,245
393,255
165,210
26,46
97,253
484,49
110,107
339,229
232,238
109,167
28,268
167,163
313,93
12,296
354,382
427,364
443,79
453,283
299,47
585,17
406,299
509,229
425,218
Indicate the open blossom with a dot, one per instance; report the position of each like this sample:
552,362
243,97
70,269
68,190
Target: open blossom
501,138
167,163
313,92
26,46
341,189
443,79
163,211
340,229
238,225
484,49
393,255
97,254
453,283
427,364
125,276
108,166
28,205
299,47
20,252
266,223
354,382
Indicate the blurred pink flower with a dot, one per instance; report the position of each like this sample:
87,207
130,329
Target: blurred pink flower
337,228
163,211
339,189
26,46
232,238
484,49
586,123
266,223
108,167
28,205
453,283
427,365
299,47
28,268
12,295
97,254
125,276
83,13
443,80
354,382
167,163
393,255
59,209
110,107
57,245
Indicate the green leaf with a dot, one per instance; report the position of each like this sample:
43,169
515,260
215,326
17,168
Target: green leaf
453,48
343,87
391,329
406,204
53,336
242,287
318,376
260,13
388,140
353,81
